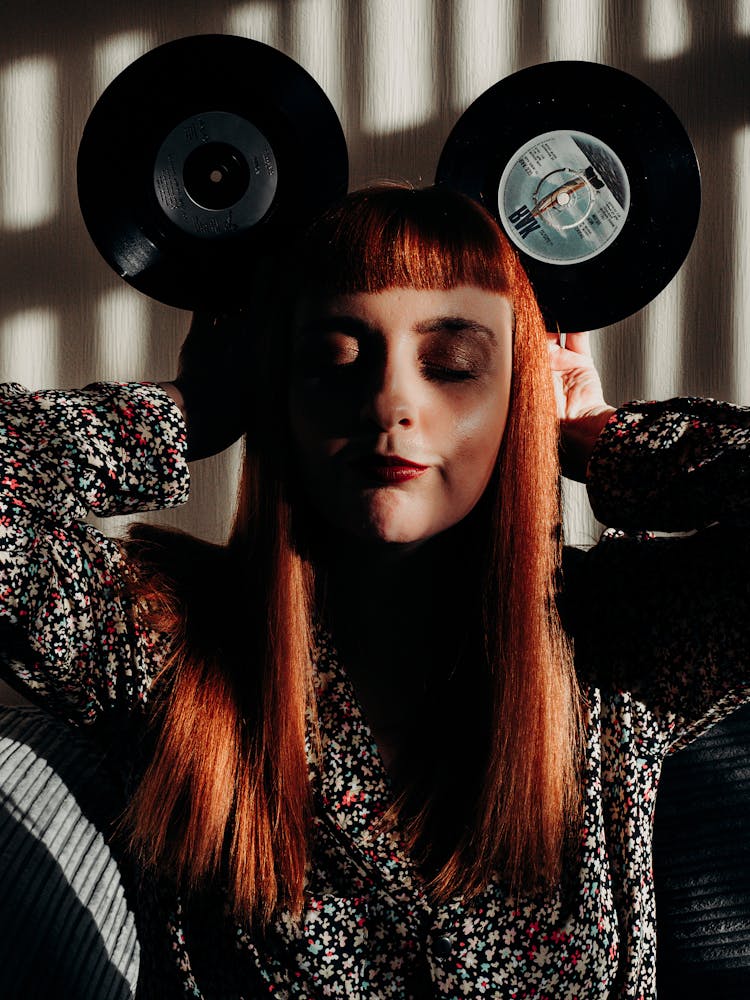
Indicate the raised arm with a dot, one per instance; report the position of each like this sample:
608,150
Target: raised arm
665,621
674,465
66,630
211,386
581,406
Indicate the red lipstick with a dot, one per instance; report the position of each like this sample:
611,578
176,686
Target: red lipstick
388,468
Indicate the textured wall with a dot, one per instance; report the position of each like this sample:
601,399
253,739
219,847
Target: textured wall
399,73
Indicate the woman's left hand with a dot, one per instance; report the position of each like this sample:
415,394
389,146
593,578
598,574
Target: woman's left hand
581,406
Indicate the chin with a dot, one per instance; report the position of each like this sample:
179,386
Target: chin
379,534
385,519
384,528
391,517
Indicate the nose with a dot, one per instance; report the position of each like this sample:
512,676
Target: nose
390,398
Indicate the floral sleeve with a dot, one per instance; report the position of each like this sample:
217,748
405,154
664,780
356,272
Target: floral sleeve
667,619
672,466
68,636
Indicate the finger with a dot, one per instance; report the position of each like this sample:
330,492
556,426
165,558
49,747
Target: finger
579,343
560,397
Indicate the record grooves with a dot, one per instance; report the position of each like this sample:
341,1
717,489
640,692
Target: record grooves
198,157
594,180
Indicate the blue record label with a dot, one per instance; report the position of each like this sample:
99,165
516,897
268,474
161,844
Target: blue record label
564,197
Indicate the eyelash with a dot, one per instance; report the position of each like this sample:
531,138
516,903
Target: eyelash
322,364
435,373
440,373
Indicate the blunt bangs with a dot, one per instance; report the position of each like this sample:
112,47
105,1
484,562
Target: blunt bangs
391,236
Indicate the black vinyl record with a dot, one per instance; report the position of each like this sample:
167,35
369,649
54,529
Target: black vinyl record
592,177
199,157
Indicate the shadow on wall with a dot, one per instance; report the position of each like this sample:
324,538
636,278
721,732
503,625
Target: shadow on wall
399,73
369,49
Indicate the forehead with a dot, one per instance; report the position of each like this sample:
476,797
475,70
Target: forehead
409,308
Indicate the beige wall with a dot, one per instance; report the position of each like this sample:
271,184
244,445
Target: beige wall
399,73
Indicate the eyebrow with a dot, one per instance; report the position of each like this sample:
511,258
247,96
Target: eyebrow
436,324
454,324
327,324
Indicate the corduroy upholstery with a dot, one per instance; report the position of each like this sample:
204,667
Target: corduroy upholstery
66,930
702,866
65,927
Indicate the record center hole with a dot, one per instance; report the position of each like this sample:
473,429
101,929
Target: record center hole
563,198
216,175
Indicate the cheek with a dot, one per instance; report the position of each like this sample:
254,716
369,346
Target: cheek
317,419
476,434
304,439
315,439
300,423
306,423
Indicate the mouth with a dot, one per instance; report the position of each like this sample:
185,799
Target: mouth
384,469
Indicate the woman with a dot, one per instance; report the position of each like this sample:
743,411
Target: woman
361,761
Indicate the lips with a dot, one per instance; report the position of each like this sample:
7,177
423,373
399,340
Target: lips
388,468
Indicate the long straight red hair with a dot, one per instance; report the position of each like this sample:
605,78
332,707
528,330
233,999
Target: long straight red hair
494,786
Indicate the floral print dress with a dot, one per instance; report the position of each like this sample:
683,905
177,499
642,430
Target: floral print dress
660,626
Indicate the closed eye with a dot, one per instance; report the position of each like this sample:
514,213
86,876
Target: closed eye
452,361
440,373
328,352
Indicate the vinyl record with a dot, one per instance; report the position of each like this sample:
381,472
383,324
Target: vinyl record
198,158
592,177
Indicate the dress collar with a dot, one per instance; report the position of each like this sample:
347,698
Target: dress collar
352,786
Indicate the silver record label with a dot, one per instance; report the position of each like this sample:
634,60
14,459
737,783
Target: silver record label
564,197
215,175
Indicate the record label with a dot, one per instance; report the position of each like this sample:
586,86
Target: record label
215,175
564,197
188,180
587,190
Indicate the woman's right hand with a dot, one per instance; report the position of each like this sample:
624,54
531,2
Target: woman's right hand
212,383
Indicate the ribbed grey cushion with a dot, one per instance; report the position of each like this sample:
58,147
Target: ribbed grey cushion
66,931
65,927
702,866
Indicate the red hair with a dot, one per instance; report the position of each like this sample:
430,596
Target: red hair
494,787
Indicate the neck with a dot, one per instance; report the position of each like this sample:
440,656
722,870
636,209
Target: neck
394,604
